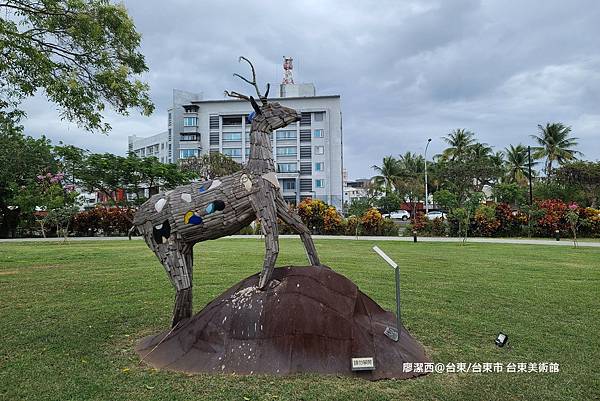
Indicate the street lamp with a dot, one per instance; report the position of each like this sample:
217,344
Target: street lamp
426,189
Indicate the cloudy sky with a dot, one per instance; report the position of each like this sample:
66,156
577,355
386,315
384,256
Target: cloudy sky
406,70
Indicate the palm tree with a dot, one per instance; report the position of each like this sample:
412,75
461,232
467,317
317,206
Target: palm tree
411,164
480,150
388,173
410,182
517,164
459,140
555,145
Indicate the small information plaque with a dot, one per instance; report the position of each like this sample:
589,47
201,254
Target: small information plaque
363,364
392,333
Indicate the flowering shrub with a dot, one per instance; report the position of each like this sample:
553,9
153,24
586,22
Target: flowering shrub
554,217
590,222
372,222
108,221
312,212
332,221
485,222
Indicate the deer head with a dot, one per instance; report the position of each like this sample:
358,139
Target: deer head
266,116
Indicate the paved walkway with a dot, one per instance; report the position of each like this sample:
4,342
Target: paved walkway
563,242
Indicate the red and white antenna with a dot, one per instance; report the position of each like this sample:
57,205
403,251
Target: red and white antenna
288,77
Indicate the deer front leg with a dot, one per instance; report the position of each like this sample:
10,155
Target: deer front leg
265,211
177,259
181,277
293,220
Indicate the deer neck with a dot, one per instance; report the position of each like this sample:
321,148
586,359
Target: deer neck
261,152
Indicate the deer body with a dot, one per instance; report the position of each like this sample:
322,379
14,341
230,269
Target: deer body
173,221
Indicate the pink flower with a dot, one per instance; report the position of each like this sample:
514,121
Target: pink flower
40,177
573,206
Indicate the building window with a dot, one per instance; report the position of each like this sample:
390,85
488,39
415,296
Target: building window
320,166
229,121
232,136
190,121
286,151
318,116
320,183
288,184
191,108
319,133
286,134
232,152
319,150
162,146
187,153
190,137
247,152
287,167
170,119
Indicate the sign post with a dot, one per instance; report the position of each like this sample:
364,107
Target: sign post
390,332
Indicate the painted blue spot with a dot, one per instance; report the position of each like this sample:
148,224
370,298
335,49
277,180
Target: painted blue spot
215,206
195,220
251,117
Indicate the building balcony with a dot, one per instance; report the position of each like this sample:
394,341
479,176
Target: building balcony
191,129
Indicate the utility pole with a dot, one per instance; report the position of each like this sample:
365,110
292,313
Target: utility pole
426,189
530,185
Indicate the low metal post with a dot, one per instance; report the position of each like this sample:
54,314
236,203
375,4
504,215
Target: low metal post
398,320
394,265
557,235
414,236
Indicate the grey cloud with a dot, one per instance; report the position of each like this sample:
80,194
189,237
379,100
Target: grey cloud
406,70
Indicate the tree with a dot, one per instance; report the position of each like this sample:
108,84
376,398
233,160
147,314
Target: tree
463,214
555,145
104,173
210,166
467,175
388,203
517,164
410,182
584,176
71,161
83,54
108,174
358,207
389,171
446,200
460,140
510,192
22,159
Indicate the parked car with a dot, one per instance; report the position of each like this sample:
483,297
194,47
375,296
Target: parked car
398,215
436,215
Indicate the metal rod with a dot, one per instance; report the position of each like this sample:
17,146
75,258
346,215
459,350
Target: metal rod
398,320
396,268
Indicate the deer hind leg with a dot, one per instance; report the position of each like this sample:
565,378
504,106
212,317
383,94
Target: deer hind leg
265,211
293,220
177,259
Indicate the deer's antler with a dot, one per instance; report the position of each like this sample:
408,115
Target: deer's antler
236,95
252,82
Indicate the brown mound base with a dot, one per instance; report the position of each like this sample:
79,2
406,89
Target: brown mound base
311,319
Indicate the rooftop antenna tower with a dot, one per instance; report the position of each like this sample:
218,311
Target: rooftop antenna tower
288,77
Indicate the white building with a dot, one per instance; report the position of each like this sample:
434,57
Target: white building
308,154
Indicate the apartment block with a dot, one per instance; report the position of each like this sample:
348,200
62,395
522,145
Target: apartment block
308,154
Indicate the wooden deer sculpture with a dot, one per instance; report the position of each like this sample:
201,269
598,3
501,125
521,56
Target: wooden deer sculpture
173,221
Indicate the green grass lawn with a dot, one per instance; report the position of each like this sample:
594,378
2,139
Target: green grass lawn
70,315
